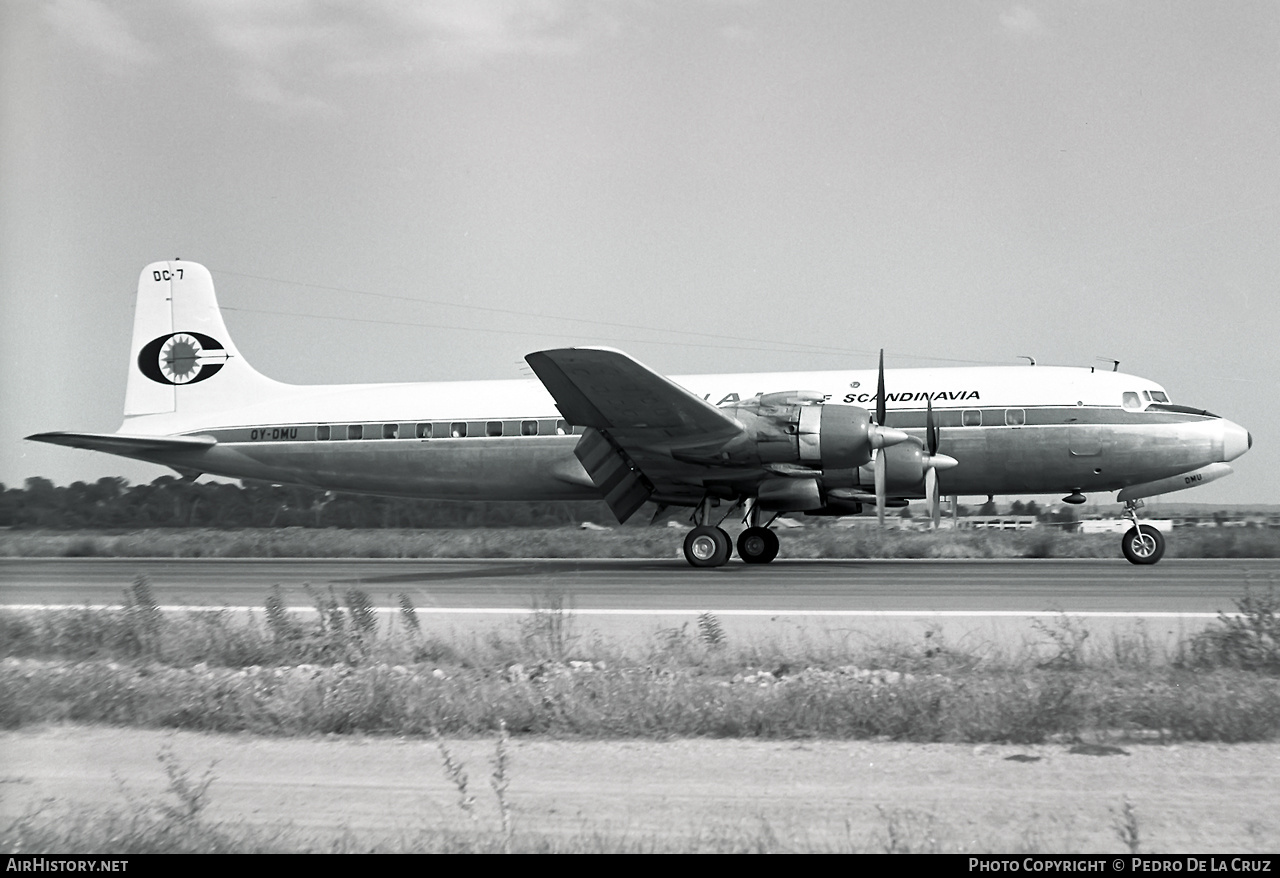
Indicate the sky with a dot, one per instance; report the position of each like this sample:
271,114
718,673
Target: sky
404,191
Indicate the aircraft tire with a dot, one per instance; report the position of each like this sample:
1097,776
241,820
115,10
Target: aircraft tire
1145,547
706,546
757,545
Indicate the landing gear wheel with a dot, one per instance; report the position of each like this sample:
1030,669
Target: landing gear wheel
707,546
757,545
1143,545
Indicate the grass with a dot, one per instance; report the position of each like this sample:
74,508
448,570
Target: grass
345,669
1249,639
342,670
627,542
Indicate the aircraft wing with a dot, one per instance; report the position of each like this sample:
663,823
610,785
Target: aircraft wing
608,390
639,422
116,443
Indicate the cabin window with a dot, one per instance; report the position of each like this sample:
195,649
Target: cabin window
528,428
971,418
493,428
1131,400
1015,417
322,432
390,431
424,431
355,431
562,428
458,429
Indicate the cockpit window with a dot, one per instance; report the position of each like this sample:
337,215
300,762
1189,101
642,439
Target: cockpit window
1159,396
1131,400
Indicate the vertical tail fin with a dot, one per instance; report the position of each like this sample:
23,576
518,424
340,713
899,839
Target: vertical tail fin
182,360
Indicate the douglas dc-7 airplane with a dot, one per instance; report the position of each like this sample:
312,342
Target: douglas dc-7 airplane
823,443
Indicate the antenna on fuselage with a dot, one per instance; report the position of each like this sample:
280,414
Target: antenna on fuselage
1115,364
1031,360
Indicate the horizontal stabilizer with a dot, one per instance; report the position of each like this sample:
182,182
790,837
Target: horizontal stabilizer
116,443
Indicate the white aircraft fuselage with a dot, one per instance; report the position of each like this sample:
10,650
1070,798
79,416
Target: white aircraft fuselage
598,423
505,440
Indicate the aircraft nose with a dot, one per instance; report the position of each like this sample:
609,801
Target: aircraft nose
1236,440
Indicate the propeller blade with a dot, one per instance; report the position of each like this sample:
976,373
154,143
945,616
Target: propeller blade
933,463
930,428
932,496
880,490
881,414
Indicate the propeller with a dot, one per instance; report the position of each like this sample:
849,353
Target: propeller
933,462
883,436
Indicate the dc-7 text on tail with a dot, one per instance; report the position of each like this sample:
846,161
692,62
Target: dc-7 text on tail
599,424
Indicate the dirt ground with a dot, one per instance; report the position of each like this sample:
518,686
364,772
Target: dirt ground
1186,798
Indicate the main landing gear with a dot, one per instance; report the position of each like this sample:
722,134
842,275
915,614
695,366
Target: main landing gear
1142,543
707,546
757,545
710,546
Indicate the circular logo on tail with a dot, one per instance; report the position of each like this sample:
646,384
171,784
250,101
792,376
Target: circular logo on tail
181,358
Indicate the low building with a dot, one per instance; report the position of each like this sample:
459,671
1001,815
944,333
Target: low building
1120,525
997,522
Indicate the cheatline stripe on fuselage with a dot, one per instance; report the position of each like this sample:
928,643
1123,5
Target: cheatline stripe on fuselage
1034,416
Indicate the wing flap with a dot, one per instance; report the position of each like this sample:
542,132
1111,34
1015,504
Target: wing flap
613,473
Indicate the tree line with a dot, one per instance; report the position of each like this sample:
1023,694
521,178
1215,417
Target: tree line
112,502
173,502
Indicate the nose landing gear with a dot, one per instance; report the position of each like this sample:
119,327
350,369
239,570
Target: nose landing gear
1142,543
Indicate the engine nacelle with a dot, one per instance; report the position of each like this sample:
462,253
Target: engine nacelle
827,436
904,466
834,436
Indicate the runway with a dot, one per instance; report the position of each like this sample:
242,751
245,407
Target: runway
1176,587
